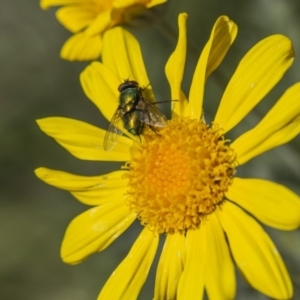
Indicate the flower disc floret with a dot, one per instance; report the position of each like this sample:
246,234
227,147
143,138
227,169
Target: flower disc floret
179,176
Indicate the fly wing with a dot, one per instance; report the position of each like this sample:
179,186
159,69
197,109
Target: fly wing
153,115
113,132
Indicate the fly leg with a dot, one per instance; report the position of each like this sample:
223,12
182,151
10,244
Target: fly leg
152,128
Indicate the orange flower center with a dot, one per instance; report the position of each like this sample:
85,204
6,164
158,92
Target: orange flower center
178,177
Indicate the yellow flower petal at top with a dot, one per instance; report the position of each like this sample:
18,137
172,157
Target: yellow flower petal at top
154,3
126,59
128,279
147,3
254,253
125,3
222,36
178,179
74,19
100,81
174,70
100,86
90,190
45,4
94,230
260,69
100,23
81,47
90,19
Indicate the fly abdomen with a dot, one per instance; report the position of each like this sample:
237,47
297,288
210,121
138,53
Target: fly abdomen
132,121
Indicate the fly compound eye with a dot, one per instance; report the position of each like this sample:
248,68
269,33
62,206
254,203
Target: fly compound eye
128,84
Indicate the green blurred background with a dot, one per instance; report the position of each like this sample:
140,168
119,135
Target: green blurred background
36,83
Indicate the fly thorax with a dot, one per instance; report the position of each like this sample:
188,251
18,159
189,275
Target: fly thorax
129,99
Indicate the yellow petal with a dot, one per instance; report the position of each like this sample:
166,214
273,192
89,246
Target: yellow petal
99,24
83,140
94,230
155,2
174,70
258,72
127,280
170,267
100,196
125,3
100,85
222,36
180,107
76,17
122,54
280,125
70,182
254,253
219,271
45,4
82,47
90,190
271,203
191,284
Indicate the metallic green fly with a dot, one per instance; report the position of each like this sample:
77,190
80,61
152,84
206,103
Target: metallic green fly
134,111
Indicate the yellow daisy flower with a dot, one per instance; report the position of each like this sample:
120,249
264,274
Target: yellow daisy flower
89,19
181,183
